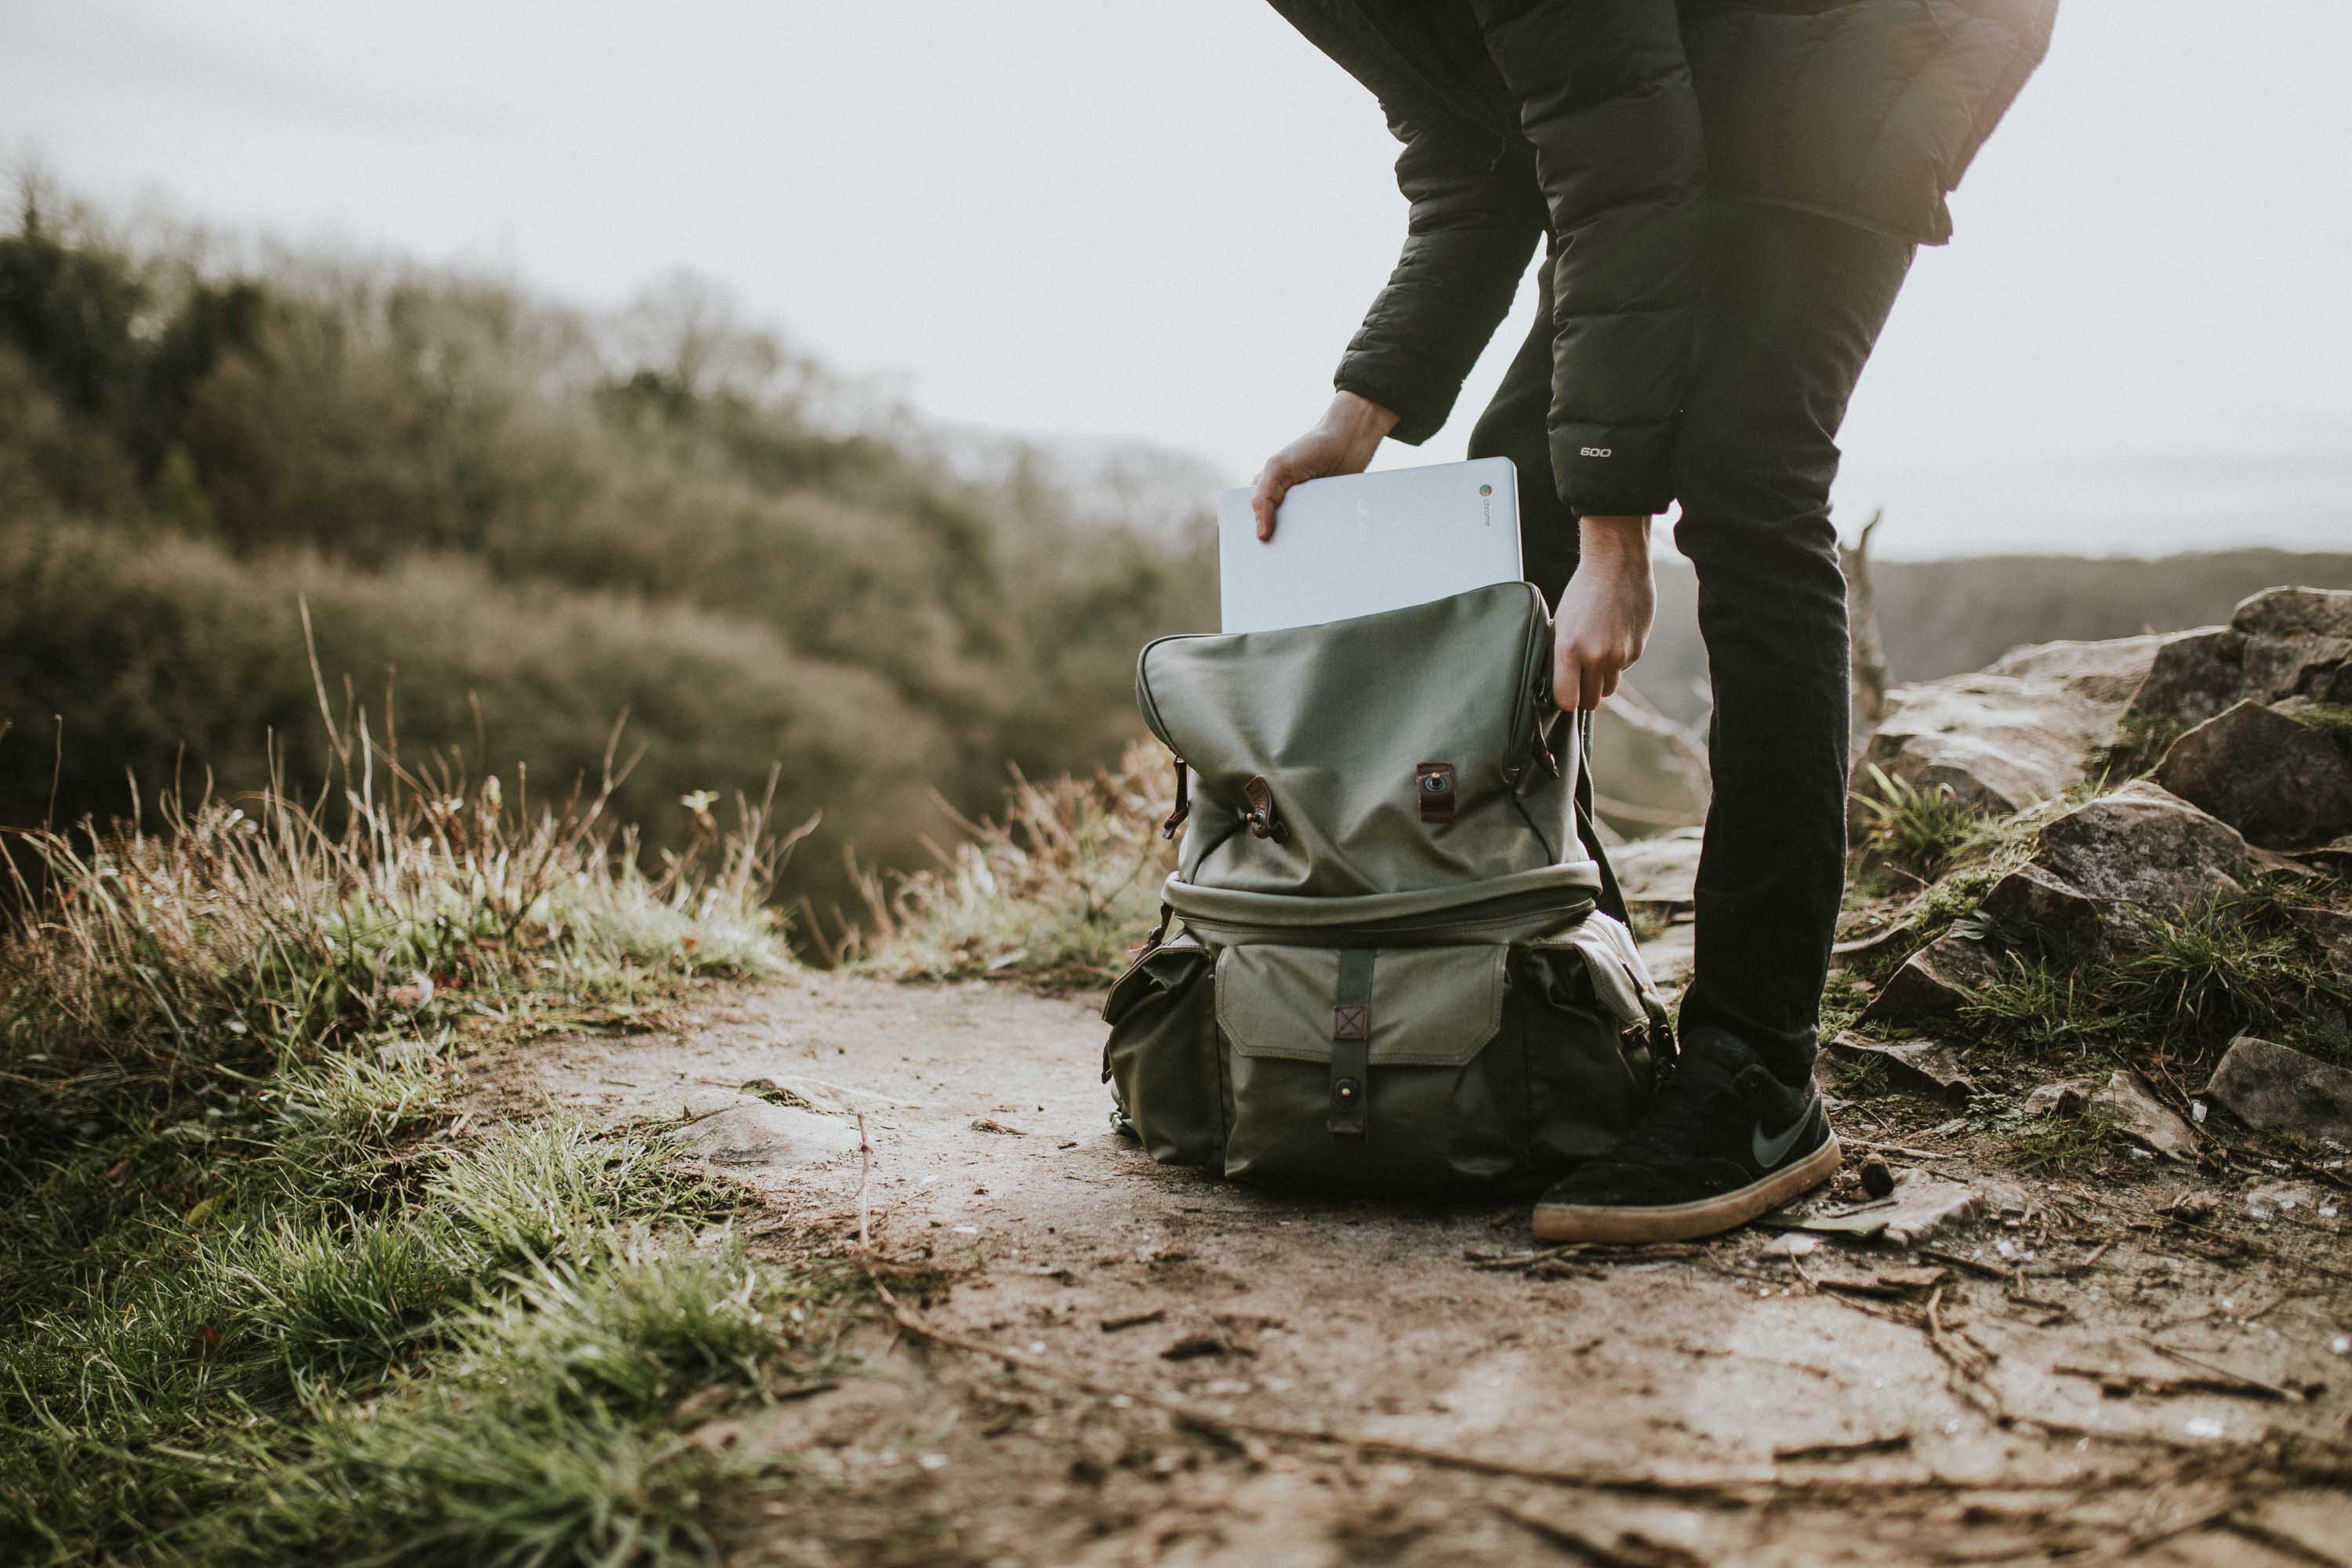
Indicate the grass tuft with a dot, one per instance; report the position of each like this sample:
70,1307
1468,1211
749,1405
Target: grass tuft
1919,828
264,1300
1057,894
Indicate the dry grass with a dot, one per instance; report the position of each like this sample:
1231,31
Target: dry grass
1054,893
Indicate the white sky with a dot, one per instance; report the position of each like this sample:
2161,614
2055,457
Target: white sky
1163,221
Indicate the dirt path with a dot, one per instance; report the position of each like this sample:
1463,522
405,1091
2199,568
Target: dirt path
1723,1404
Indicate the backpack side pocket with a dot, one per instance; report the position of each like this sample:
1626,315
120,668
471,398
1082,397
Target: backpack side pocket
1161,1058
1592,1023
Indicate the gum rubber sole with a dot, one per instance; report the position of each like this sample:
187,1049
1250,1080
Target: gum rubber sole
1685,1222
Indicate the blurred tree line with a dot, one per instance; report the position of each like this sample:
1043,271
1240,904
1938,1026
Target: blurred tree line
514,522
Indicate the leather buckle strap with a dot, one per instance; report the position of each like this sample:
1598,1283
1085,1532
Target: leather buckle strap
1183,801
1263,823
1351,1048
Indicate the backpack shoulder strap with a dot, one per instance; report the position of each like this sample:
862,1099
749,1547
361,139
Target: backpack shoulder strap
1612,898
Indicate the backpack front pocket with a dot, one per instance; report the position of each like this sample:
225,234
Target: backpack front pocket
1369,1068
1160,1059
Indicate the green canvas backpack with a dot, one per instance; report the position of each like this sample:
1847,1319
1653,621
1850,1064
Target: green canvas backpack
1390,956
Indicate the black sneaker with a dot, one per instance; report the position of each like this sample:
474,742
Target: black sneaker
1723,1141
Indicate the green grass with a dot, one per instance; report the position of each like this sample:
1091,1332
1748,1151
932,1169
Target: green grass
2141,741
266,1299
1860,1078
1919,828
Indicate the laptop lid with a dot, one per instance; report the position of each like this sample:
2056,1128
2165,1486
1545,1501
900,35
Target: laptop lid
1361,543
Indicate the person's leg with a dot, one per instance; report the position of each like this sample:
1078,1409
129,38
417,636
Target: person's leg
1514,425
1796,302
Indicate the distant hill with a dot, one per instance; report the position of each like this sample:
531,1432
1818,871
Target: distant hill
1941,617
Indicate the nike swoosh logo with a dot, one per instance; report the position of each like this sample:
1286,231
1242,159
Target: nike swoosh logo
1770,1152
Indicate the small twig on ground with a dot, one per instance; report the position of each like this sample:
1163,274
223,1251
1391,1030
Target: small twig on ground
2253,1386
865,1170
1903,1151
1967,1265
1892,1443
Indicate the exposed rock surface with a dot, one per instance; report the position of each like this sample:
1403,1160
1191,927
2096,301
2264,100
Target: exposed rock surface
2279,1088
1922,1067
2281,642
2014,733
2125,1101
2145,845
745,1134
1935,981
1662,870
2033,898
2282,783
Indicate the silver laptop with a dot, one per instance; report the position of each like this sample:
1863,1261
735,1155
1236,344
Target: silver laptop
1365,542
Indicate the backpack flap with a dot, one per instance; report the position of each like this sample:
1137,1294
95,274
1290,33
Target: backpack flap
1390,752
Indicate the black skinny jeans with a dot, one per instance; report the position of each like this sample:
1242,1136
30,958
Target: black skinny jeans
1794,302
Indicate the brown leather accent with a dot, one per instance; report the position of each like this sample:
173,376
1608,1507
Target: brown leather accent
1183,801
1261,818
1432,785
1545,714
1351,1023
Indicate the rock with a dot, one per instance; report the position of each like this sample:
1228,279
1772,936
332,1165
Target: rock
1935,981
2281,782
2016,733
2279,643
1921,1067
2130,1103
2273,1199
2332,930
2126,1104
2143,845
1919,1204
2035,900
2060,1097
2276,1087
2296,613
1661,870
744,1135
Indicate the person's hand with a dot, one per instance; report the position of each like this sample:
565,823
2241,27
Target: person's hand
1342,442
1605,612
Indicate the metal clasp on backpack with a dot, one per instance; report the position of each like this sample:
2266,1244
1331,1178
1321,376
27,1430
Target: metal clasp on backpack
1260,817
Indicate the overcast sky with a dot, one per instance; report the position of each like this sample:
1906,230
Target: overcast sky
1069,217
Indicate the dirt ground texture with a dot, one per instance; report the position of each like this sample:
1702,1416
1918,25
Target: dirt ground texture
1196,1372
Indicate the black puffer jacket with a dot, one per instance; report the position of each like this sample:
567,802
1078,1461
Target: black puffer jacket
1597,125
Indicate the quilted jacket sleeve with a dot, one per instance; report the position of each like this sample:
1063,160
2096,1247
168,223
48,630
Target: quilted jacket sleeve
1606,101
1474,220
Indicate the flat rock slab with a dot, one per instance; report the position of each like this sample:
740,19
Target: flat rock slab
745,1135
1661,870
2278,1089
2015,734
1922,1067
1920,1205
2126,1104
